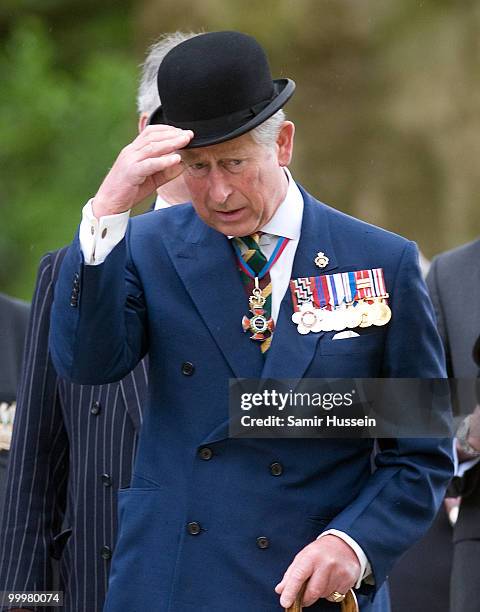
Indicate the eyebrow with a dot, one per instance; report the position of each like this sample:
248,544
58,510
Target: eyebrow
187,156
191,156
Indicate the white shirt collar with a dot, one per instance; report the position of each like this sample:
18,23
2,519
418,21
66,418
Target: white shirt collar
161,203
287,220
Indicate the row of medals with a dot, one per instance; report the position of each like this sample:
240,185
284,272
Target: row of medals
363,313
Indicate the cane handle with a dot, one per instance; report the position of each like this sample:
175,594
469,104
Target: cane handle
349,604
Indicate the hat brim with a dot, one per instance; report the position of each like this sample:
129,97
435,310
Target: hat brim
283,91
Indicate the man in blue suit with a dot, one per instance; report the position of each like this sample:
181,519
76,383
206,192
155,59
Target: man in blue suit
213,523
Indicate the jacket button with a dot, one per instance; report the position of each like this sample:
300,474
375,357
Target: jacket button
95,408
188,368
276,469
106,552
205,453
107,480
263,542
194,528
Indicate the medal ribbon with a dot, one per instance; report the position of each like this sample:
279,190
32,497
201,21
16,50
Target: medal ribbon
351,286
379,282
364,284
332,290
258,275
246,269
337,281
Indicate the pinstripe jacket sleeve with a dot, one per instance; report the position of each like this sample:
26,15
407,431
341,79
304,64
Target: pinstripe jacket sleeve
36,487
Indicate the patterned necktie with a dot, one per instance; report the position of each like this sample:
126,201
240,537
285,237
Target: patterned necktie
253,256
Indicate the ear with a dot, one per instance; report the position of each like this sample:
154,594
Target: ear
142,121
285,143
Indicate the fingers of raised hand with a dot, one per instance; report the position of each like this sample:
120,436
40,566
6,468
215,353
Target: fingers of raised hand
159,148
154,165
161,134
167,175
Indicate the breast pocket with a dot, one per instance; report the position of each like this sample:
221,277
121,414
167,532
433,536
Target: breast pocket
366,341
357,357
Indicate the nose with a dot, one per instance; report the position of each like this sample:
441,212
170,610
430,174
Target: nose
219,186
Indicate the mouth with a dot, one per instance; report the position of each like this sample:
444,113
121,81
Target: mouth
230,215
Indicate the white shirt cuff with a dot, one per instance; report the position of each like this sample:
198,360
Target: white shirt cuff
365,567
98,237
464,466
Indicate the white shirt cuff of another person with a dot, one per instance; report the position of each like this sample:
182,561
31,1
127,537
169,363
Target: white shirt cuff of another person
365,567
98,237
461,467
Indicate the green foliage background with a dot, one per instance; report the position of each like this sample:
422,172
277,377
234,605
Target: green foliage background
387,108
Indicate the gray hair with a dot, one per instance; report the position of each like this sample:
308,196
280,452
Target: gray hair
266,133
147,96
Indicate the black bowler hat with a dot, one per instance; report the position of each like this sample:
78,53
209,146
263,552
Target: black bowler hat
218,85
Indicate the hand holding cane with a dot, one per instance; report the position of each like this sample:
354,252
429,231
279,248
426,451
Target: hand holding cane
348,602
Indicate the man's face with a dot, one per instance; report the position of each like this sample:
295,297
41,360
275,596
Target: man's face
236,186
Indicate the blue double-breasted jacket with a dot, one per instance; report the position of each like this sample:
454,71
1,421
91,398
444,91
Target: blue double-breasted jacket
171,287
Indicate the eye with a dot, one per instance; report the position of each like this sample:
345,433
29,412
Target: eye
234,165
197,169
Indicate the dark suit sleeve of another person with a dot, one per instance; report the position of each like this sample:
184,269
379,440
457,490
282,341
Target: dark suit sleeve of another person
449,283
14,316
435,295
36,488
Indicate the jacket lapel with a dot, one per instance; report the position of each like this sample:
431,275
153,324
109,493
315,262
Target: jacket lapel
206,264
291,353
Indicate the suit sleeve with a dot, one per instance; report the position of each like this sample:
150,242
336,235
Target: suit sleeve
435,296
404,492
98,323
36,484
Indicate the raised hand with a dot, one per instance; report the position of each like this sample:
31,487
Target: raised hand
145,164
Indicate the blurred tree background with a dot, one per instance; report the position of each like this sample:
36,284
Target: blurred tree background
387,108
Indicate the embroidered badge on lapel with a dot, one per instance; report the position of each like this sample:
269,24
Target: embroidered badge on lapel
321,260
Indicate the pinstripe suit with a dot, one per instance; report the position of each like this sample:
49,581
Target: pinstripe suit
73,447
